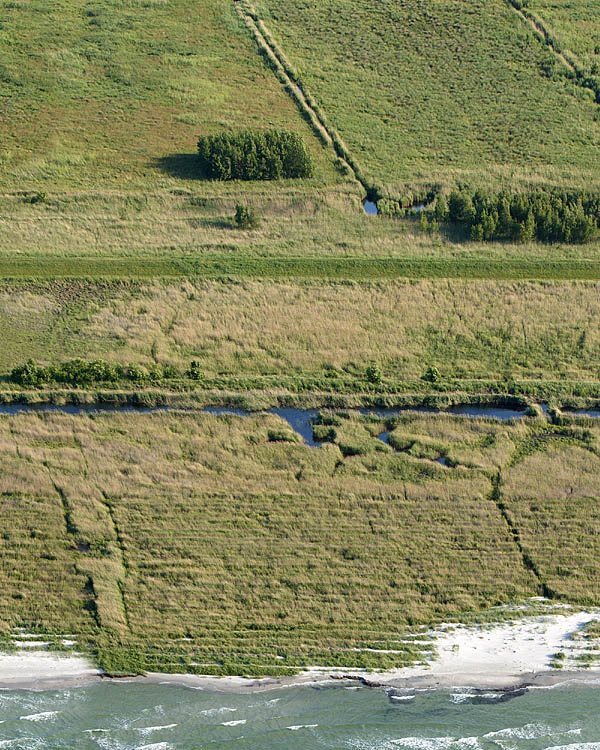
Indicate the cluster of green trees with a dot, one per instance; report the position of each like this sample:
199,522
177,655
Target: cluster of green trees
255,155
81,372
548,216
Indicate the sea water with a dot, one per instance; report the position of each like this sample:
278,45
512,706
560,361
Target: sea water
160,717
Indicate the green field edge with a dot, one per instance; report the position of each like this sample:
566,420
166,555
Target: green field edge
410,395
356,269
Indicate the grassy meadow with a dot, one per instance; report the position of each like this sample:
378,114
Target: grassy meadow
288,332
116,93
152,232
575,25
289,556
430,93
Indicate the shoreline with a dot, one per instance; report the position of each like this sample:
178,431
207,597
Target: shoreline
516,684
503,657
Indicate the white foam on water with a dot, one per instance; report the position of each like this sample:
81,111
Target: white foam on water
461,697
425,743
401,698
296,727
215,711
577,746
156,746
91,731
531,732
233,723
43,716
438,743
147,730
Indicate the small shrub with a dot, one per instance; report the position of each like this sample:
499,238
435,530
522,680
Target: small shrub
374,374
432,374
245,217
136,373
29,374
39,197
195,371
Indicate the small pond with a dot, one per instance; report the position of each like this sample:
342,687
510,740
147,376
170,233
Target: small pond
370,208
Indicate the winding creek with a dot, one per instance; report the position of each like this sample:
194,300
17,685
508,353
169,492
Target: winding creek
300,420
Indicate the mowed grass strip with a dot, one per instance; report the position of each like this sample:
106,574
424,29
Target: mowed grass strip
350,268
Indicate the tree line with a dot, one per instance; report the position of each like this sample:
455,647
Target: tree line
80,372
547,216
254,155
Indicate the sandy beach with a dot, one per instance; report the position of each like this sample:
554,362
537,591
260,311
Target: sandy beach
495,657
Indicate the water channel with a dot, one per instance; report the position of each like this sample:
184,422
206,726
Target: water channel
300,420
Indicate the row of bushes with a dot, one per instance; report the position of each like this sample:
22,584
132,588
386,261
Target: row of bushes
83,373
254,155
548,216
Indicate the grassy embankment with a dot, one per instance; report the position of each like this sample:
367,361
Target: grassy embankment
537,338
330,556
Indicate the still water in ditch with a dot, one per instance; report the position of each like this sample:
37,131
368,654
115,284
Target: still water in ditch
300,420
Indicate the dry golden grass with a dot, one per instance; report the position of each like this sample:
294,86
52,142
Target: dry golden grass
196,526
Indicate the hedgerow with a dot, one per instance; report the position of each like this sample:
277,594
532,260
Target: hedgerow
254,155
82,373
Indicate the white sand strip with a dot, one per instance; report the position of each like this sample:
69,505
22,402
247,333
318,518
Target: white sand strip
43,671
487,656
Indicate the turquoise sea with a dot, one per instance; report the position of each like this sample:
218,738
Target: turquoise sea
160,717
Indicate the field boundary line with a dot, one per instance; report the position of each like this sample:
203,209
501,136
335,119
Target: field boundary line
496,497
297,90
566,57
321,268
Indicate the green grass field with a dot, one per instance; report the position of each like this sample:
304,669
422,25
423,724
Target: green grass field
115,94
427,93
575,24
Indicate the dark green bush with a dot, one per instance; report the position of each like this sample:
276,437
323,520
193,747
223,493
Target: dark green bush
245,217
80,372
545,215
432,374
195,371
373,373
254,155
29,374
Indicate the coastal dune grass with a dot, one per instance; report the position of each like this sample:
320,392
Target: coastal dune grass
336,556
